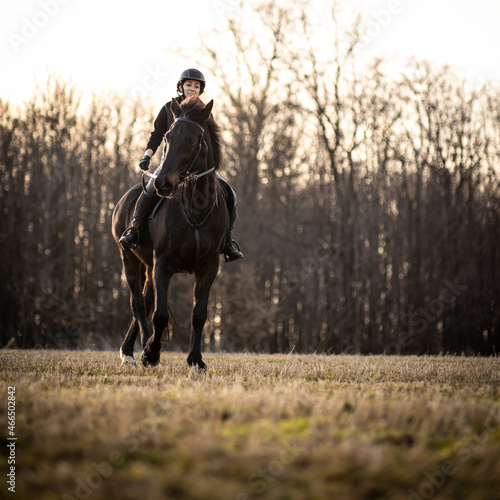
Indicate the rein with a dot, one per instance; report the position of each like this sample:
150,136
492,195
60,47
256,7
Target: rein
193,177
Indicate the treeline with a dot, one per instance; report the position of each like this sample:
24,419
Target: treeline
62,171
369,205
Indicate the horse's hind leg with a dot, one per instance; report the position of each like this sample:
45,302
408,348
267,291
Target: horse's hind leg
141,299
127,347
203,284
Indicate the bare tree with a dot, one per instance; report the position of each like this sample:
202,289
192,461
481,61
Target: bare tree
368,205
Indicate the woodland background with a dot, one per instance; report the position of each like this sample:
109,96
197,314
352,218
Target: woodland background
369,204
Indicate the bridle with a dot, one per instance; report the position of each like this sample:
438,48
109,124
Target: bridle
187,174
201,141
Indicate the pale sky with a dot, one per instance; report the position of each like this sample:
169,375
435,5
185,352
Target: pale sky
127,45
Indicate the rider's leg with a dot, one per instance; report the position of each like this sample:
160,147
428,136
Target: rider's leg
143,206
231,250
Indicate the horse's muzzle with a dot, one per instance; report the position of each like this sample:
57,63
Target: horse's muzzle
164,188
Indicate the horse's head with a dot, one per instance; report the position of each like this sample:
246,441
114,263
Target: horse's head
185,145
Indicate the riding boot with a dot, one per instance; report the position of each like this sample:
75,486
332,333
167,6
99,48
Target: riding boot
230,252
130,237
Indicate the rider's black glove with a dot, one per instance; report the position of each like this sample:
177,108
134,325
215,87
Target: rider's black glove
144,163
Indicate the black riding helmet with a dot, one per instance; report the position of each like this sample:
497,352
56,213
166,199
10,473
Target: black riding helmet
191,74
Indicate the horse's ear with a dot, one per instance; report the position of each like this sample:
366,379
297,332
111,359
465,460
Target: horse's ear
175,108
208,111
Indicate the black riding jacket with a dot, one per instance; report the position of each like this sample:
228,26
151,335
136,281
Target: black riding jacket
162,123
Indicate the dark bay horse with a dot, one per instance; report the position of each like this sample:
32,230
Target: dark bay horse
188,232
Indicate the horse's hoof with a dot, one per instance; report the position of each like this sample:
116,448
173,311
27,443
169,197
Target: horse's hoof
127,360
149,358
193,361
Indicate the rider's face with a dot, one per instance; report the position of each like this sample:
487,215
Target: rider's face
191,88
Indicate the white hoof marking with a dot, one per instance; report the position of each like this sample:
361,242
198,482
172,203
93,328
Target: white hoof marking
127,360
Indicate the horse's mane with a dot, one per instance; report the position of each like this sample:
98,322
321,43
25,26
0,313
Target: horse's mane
193,108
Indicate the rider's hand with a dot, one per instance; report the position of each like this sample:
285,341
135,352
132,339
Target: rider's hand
144,163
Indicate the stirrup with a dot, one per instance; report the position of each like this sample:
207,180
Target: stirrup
238,254
124,238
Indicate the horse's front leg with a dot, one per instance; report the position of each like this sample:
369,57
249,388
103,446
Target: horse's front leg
127,347
203,284
162,277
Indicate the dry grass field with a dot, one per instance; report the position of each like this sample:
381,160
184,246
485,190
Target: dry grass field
252,427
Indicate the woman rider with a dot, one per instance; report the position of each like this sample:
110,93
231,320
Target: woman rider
191,83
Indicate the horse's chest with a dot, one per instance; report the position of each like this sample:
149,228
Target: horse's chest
186,247
192,249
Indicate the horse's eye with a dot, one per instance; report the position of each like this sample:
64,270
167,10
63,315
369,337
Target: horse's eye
192,142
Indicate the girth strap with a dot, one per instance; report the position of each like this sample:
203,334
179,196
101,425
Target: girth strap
198,248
